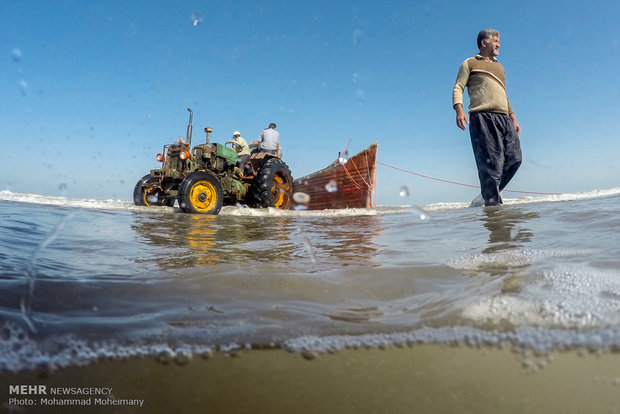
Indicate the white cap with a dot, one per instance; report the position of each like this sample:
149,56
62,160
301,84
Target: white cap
236,133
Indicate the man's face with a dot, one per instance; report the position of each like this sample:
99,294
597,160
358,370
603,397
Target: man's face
490,47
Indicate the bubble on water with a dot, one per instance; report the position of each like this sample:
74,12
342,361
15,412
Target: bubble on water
183,356
331,186
404,191
309,354
23,87
165,356
16,55
196,18
357,36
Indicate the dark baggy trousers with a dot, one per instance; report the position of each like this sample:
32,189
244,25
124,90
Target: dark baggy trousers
497,150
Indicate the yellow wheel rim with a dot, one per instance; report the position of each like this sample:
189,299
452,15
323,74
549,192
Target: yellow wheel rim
149,193
203,196
279,192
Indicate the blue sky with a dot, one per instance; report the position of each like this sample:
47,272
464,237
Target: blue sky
92,90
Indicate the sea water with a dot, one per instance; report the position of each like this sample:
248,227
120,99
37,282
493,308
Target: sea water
82,280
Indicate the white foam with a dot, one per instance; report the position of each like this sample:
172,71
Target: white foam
226,211
543,198
564,297
513,257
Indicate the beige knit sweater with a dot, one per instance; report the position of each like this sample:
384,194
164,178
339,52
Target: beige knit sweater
485,82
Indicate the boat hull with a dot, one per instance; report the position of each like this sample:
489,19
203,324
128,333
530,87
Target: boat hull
349,184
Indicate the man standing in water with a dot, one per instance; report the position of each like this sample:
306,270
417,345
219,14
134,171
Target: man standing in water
493,129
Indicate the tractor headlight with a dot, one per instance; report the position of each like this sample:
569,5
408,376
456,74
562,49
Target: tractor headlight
184,155
160,157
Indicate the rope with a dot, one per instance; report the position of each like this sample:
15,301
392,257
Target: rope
350,177
461,184
359,173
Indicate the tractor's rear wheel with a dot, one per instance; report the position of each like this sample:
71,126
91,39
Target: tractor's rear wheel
148,192
200,193
273,185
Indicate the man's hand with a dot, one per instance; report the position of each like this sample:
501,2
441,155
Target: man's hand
516,124
461,118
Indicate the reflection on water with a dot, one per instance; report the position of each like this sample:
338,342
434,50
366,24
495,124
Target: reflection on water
205,241
507,231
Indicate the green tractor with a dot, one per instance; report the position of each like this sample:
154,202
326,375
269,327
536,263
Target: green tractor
205,177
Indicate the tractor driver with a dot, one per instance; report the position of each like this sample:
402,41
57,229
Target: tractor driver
242,148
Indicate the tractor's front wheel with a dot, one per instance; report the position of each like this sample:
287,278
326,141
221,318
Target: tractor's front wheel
148,192
200,193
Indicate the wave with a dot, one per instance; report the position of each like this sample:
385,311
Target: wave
546,198
240,210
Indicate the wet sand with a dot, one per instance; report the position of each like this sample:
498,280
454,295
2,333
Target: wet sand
421,379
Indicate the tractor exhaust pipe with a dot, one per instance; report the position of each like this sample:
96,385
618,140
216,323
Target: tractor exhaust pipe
189,128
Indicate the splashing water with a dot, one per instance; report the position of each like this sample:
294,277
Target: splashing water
404,191
28,296
331,186
308,245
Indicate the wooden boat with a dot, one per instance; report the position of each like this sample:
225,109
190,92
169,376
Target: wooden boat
345,183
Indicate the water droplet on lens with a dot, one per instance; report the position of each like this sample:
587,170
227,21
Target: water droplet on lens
62,189
301,198
421,214
344,154
16,55
357,36
23,86
331,186
356,78
404,191
196,18
360,96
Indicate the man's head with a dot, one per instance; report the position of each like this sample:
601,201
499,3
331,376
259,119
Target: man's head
236,134
488,42
272,125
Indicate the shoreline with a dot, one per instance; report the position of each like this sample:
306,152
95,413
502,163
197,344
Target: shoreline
422,378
